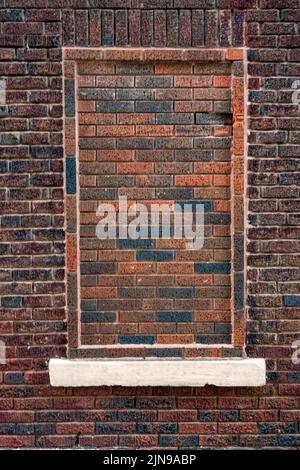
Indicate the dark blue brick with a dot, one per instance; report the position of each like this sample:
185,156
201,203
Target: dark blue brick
160,255
154,403
222,328
14,377
54,416
99,193
289,178
107,415
71,175
95,94
174,316
230,415
52,234
12,15
114,107
35,429
192,205
97,317
175,292
97,267
11,302
273,428
267,428
5,111
272,377
212,268
206,416
4,249
3,166
291,300
109,428
165,428
8,428
22,235
175,118
134,94
251,55
19,166
107,28
294,376
46,152
135,143
213,118
141,243
189,440
69,97
88,305
136,339
10,221
253,338
238,244
212,143
154,106
239,291
288,441
255,96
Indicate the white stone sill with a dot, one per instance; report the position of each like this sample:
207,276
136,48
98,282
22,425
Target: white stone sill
157,372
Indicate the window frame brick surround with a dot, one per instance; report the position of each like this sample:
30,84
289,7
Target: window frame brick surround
236,57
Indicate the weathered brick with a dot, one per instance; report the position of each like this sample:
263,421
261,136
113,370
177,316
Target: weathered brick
32,218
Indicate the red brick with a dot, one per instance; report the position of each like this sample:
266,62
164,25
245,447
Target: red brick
134,168
222,81
199,180
197,428
95,292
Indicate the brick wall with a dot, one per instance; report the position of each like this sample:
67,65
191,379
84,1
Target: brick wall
153,130
32,276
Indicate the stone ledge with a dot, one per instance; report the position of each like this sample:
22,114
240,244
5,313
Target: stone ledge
153,372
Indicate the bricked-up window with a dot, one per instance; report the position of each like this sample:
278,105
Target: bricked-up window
156,126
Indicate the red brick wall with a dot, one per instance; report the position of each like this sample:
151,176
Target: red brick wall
158,133
32,278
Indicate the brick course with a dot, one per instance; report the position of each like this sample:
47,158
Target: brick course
32,279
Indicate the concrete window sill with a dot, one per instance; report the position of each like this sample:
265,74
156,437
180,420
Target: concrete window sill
153,372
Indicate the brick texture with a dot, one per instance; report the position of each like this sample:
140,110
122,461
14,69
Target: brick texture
33,242
140,130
